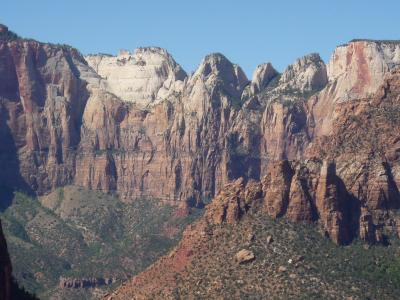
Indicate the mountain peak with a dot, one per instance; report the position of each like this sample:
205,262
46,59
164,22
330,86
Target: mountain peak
216,65
307,73
142,77
263,74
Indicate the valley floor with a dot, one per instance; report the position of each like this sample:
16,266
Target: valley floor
77,244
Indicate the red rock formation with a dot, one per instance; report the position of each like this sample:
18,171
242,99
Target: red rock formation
60,124
301,206
276,186
41,103
329,202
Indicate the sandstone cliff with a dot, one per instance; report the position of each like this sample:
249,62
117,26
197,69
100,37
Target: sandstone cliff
42,100
356,70
137,125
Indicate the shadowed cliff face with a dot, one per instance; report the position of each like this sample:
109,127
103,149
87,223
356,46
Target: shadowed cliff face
180,138
5,269
9,289
41,105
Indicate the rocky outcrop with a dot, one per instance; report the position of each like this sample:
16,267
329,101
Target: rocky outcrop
233,201
244,256
5,269
366,164
329,202
284,122
307,74
262,76
299,191
84,283
276,187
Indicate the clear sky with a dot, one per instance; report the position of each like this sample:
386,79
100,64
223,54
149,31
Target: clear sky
247,32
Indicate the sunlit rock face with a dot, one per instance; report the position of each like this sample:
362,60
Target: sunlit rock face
262,76
66,119
356,70
308,73
142,77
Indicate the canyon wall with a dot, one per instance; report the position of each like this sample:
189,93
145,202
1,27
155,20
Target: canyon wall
136,124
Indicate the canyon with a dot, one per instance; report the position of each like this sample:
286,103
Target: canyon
318,143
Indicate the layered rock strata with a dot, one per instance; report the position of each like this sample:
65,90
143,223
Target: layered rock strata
66,119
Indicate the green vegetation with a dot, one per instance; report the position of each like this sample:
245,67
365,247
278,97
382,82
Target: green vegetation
389,113
395,42
76,233
314,268
286,102
272,84
101,152
236,103
142,130
382,122
8,35
18,293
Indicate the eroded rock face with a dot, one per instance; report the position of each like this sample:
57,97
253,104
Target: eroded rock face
285,118
64,122
276,187
5,269
42,99
262,76
359,67
80,283
366,164
329,203
173,151
142,77
62,125
355,71
305,75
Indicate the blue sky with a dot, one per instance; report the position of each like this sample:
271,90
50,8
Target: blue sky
247,32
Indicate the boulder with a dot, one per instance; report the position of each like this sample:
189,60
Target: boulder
244,256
